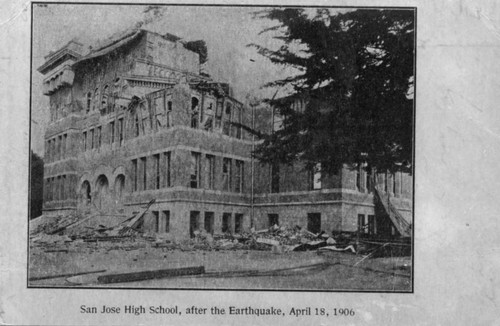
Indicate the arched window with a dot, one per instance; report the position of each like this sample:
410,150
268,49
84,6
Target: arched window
85,192
102,187
119,187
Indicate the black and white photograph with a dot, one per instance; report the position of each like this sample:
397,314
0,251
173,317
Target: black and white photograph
222,147
249,162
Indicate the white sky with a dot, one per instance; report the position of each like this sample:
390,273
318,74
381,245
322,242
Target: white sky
226,30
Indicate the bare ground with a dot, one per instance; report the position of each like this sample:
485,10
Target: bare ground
224,269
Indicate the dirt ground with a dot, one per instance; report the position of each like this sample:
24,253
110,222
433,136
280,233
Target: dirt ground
224,269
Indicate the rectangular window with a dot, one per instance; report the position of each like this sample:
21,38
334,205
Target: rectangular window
238,114
226,126
112,132
195,170
210,171
120,131
168,167
144,173
385,182
275,178
238,176
99,138
314,222
226,223
156,160
393,183
156,221
226,174
64,140
59,188
59,147
362,227
47,150
238,223
194,223
136,126
92,138
166,221
209,222
49,189
372,225
368,181
358,178
63,187
169,113
316,177
273,219
134,174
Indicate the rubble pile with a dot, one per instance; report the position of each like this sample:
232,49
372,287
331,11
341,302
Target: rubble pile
72,232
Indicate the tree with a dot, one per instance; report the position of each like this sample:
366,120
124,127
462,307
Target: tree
355,72
36,185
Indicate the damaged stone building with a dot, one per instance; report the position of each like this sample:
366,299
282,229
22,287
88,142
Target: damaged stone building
135,119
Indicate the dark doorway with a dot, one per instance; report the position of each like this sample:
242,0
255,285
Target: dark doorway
194,222
314,222
273,219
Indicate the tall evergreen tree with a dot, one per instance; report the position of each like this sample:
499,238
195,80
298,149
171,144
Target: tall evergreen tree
36,185
356,72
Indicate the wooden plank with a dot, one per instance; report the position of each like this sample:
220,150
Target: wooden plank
37,278
149,275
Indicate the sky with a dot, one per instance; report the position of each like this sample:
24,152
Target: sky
226,30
